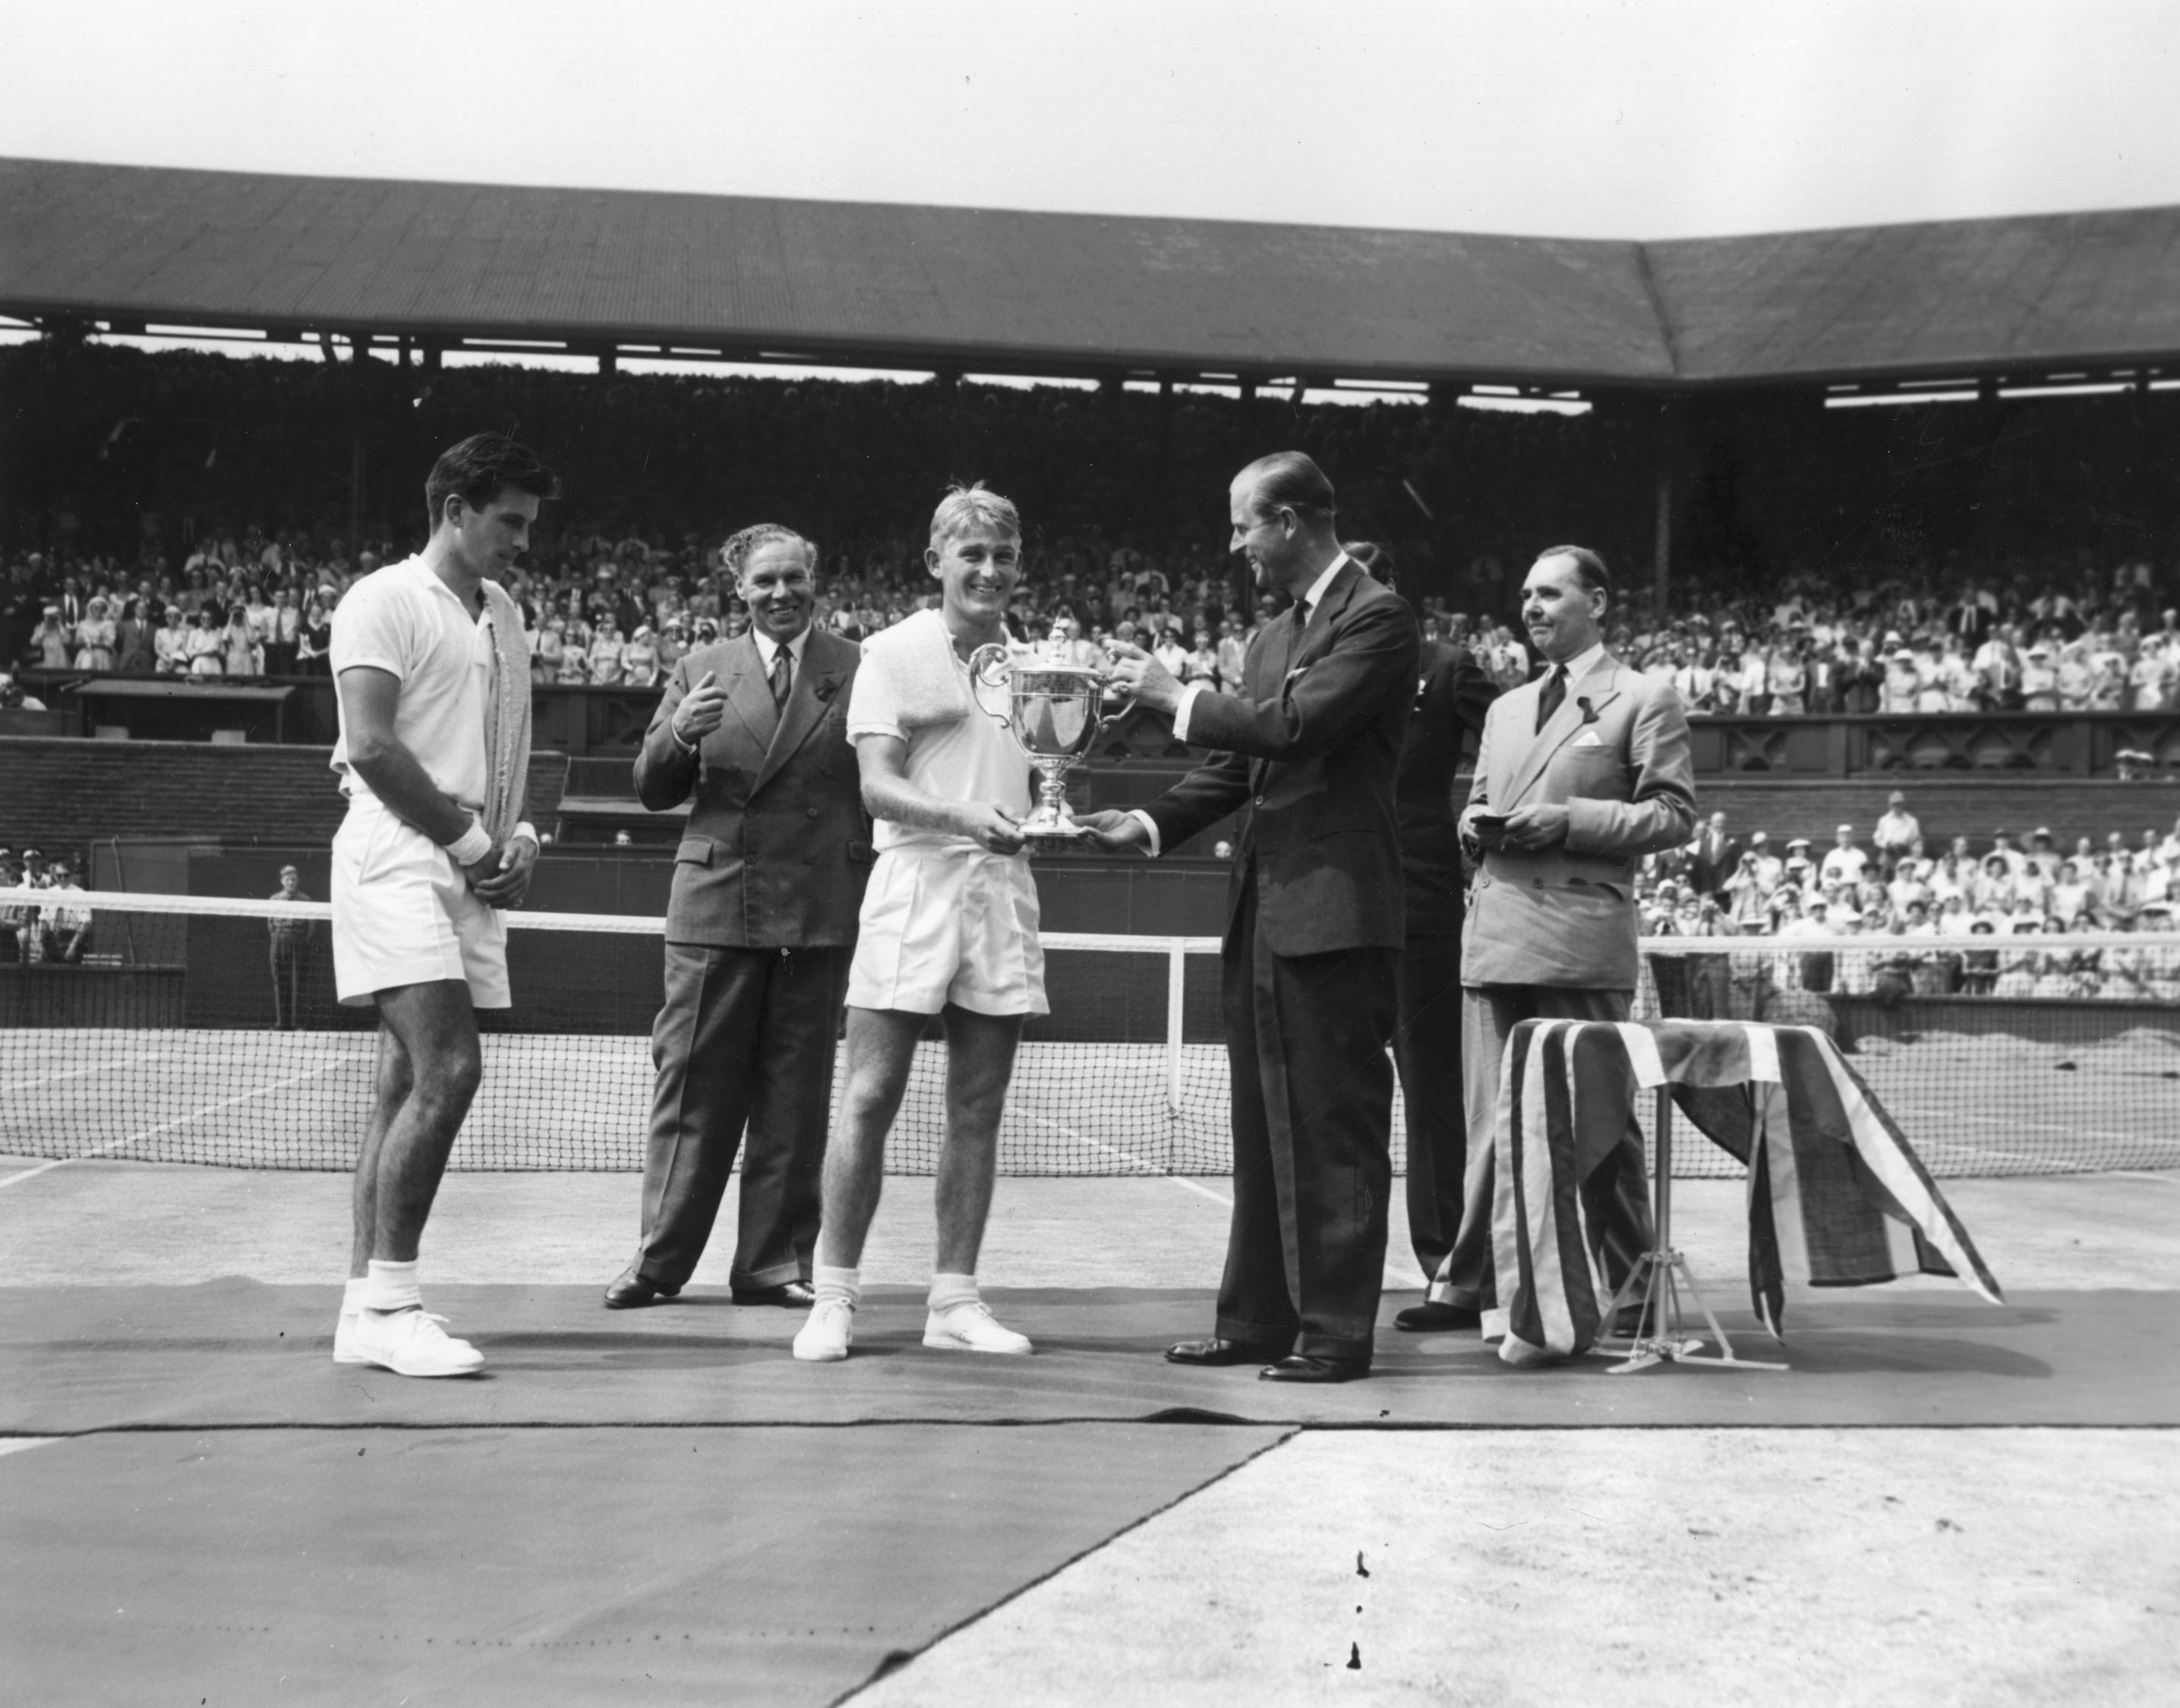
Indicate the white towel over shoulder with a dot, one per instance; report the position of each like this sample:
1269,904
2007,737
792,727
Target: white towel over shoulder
914,661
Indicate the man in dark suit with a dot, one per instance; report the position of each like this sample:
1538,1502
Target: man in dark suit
1452,694
1314,926
1712,858
767,881
1582,773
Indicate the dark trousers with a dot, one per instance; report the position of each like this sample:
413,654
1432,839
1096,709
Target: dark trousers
745,1039
58,944
1313,1111
291,971
1426,1050
1489,1015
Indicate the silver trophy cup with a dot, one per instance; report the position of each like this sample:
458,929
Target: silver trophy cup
1052,713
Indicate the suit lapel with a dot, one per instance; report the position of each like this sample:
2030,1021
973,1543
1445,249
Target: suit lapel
815,685
1594,686
1279,640
750,694
1316,640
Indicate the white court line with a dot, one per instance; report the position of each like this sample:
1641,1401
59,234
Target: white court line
1996,1121
1395,1271
185,1120
80,1073
2137,1174
17,1444
1150,1168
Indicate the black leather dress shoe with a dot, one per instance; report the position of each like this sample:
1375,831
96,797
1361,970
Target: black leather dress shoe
1302,1366
795,1294
636,1288
1431,1319
1216,1351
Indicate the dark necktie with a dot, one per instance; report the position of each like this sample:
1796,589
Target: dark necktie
1553,697
783,677
1302,614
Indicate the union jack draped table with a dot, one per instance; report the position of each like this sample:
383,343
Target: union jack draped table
1836,1194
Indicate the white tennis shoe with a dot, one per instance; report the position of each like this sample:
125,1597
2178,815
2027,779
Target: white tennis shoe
823,1339
409,1342
970,1326
345,1350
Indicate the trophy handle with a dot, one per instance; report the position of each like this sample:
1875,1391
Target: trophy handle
989,667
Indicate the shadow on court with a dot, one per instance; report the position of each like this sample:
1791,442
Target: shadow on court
477,1566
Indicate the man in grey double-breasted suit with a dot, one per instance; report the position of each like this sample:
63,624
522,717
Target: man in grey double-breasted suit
767,881
1581,773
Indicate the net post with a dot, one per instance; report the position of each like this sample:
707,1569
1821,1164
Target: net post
1176,986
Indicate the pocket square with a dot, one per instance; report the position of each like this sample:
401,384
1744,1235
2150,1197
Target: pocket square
1588,737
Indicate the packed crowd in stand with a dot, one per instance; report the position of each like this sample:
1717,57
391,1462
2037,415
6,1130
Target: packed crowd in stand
620,612
1953,920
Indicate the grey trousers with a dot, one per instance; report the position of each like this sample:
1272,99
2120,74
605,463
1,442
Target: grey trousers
1488,1014
745,1041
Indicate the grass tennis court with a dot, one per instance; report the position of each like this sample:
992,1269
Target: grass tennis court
437,1543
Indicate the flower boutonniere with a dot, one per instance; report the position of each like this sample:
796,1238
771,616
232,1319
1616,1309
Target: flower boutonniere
1588,712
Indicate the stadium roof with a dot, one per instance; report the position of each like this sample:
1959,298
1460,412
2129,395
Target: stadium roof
754,279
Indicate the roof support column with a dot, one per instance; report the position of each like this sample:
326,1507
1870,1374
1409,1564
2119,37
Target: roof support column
1668,479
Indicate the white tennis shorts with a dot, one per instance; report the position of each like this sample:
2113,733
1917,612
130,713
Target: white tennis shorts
404,915
949,925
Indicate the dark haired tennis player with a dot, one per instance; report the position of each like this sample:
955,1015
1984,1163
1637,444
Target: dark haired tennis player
434,692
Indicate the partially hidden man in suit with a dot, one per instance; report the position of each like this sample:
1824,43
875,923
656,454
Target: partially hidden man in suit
1310,748
1452,694
768,882
1582,773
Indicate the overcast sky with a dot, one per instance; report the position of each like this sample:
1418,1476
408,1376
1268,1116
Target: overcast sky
1664,119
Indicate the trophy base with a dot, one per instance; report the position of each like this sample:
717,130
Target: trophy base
1057,828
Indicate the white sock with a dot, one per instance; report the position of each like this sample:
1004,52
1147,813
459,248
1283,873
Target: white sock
829,1282
948,1291
352,1295
392,1287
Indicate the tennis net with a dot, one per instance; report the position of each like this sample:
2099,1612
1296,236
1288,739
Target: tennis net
182,1034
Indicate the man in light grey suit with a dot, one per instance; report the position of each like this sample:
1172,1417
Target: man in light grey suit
1582,773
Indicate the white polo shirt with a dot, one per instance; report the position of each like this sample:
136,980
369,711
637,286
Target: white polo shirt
973,758
404,620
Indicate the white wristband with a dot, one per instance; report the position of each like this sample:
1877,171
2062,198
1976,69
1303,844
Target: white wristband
471,846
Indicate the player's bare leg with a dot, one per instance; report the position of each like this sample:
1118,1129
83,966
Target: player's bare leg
881,1049
980,1062
429,1065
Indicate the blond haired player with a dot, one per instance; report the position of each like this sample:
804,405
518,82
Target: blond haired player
947,927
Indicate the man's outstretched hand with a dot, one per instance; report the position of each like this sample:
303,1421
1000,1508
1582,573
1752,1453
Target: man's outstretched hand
1111,832
1136,675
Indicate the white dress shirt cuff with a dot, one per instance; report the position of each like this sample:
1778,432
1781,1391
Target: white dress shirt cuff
1150,824
1180,715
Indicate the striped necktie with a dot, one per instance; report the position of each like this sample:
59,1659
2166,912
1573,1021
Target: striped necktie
1553,697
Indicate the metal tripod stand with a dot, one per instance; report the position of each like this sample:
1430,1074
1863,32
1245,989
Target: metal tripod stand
1659,1280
